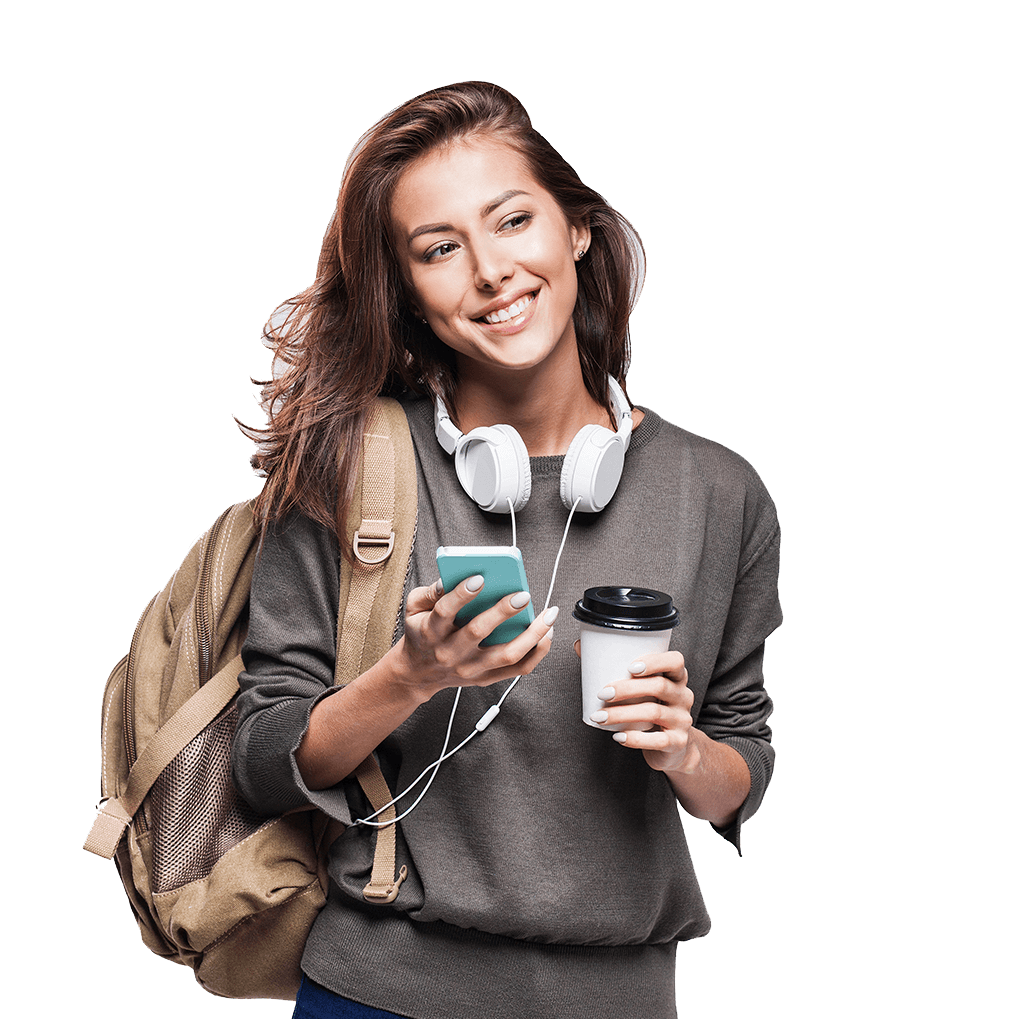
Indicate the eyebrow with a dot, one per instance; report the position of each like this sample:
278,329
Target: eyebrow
492,205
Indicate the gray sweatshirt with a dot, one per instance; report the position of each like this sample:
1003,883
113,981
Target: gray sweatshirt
549,872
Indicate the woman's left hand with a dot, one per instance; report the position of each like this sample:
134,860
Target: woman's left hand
710,779
658,700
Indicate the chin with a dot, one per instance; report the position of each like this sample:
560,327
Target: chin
524,350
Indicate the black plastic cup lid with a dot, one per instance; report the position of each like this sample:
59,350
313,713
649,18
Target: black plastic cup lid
627,608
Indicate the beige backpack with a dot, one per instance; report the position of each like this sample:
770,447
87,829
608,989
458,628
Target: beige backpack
212,884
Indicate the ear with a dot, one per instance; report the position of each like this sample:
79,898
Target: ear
580,237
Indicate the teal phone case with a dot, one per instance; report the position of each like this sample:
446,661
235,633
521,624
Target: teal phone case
504,571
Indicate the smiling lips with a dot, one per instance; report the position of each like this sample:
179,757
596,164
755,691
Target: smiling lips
512,311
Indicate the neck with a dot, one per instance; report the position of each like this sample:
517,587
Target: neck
546,408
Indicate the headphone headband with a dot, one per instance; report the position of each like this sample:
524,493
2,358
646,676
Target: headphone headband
623,412
447,433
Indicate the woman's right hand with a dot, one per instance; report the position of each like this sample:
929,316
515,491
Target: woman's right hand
432,655
435,654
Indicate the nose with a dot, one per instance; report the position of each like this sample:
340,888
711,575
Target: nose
493,265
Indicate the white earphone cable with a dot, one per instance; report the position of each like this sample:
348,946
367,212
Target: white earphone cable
369,820
561,548
483,722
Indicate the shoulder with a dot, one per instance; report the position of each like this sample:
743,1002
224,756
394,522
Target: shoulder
710,461
706,472
297,555
419,410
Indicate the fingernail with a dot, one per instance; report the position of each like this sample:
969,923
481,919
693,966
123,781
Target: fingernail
520,600
551,614
636,668
606,694
474,583
619,737
598,716
437,588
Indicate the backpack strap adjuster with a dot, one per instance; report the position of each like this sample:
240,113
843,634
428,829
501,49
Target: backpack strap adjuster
374,534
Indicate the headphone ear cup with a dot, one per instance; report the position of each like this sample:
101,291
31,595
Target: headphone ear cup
592,468
492,465
568,475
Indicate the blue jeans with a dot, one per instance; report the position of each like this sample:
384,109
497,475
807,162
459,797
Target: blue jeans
317,1002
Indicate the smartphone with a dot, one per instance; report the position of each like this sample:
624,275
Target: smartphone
502,567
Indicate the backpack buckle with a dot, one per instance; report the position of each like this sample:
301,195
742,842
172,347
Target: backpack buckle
386,892
373,534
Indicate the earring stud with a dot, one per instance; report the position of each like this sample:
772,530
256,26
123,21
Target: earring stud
580,254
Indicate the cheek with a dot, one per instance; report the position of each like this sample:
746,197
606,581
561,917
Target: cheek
432,294
563,277
553,260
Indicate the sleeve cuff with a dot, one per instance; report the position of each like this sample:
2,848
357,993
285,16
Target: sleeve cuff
759,758
273,782
332,801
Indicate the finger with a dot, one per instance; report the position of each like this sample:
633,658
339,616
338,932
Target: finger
662,740
494,662
626,703
659,688
503,663
645,715
447,606
518,648
669,663
578,648
423,599
481,626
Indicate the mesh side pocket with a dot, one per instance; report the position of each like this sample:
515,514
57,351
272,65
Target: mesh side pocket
195,812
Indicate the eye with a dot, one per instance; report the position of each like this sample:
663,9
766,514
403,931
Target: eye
519,219
438,251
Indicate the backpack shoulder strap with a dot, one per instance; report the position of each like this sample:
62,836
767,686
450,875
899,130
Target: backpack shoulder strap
382,518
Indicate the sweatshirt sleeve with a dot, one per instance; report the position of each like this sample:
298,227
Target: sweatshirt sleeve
736,706
289,659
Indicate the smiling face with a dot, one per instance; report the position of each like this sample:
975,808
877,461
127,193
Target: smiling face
489,256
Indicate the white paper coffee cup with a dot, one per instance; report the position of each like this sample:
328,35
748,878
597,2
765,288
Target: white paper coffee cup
617,626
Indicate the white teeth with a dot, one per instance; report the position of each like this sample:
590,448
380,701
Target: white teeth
510,312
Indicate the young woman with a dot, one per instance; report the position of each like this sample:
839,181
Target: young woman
470,271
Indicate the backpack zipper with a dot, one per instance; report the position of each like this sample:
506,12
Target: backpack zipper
129,704
129,696
203,610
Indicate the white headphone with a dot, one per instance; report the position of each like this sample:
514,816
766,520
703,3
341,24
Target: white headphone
492,462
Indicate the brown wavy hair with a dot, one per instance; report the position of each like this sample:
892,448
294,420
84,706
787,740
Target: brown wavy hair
351,336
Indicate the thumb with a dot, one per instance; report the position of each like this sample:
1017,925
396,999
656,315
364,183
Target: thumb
423,599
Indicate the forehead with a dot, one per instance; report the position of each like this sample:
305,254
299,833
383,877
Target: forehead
458,180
